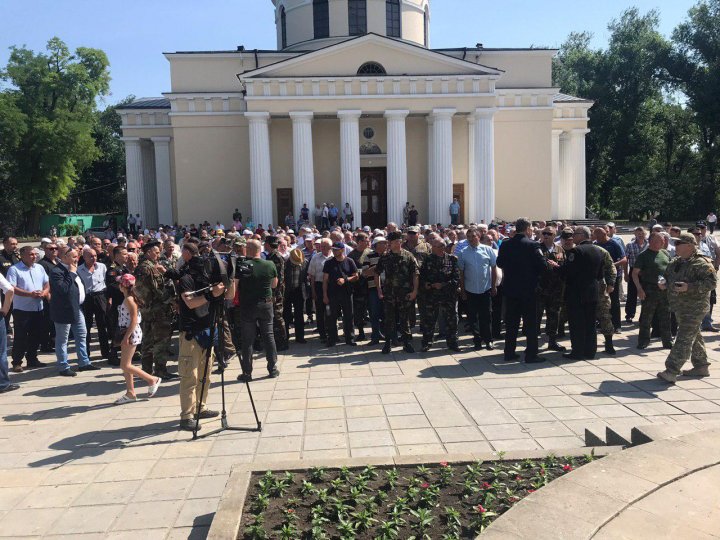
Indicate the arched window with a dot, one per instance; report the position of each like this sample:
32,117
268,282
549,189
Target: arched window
371,68
321,18
283,27
357,17
392,17
426,25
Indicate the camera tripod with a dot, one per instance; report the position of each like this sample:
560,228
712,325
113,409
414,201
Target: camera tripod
217,311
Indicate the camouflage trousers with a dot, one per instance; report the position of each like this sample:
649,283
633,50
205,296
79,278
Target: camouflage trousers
156,327
397,308
655,305
434,306
603,314
551,304
689,344
279,322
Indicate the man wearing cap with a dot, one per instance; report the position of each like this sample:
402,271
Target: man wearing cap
360,288
439,281
420,250
156,312
633,250
48,262
339,275
368,263
648,268
398,292
295,279
550,288
115,296
273,255
689,278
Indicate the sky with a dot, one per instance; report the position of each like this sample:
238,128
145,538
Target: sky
135,33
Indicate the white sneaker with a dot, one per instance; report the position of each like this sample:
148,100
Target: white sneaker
122,400
152,389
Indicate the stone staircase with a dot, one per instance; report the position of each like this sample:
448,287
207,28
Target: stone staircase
627,435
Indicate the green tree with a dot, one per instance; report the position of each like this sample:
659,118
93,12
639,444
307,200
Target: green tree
53,96
694,65
101,187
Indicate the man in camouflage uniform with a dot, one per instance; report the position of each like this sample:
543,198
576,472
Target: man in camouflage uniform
399,290
551,288
420,250
604,302
156,312
439,281
271,248
116,297
649,266
689,279
169,258
360,288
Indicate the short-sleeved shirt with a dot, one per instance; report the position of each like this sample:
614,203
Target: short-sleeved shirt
5,286
614,249
339,269
195,320
652,265
476,265
257,287
31,279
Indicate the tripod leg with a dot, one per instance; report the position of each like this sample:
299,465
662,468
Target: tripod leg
252,402
208,354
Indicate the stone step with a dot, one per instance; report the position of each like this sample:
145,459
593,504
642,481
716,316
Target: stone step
618,436
595,437
654,432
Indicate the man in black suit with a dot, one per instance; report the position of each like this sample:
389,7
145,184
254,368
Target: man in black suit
522,262
584,271
67,294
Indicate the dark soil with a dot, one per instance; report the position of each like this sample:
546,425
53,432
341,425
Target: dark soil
435,501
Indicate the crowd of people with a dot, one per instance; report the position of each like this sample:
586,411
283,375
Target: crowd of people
260,289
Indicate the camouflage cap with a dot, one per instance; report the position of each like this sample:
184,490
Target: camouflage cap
239,241
566,233
413,229
685,238
394,236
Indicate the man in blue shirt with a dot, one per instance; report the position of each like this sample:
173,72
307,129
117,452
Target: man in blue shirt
31,285
454,212
617,253
477,287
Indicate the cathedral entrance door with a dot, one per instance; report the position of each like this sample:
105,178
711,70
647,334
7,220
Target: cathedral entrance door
373,196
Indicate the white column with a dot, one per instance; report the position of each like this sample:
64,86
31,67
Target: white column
350,163
134,175
396,165
472,210
577,150
303,167
484,188
555,175
162,179
260,172
441,186
149,214
430,155
565,186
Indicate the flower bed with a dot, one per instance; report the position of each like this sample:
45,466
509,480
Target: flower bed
437,501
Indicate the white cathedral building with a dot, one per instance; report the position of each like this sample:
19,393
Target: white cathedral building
355,106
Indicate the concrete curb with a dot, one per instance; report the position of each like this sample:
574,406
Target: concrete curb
226,523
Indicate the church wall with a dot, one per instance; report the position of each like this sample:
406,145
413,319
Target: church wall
523,166
417,173
413,24
522,69
206,74
326,157
212,172
338,18
376,22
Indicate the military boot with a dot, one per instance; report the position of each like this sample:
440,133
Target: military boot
407,346
701,371
387,347
609,348
425,346
553,345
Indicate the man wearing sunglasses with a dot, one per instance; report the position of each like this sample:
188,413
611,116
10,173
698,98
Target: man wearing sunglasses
48,262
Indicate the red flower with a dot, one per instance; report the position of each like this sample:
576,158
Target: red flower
531,491
443,463
424,485
514,499
542,471
518,478
480,508
290,511
485,485
567,468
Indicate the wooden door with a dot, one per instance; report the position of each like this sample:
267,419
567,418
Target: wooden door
373,196
459,194
284,205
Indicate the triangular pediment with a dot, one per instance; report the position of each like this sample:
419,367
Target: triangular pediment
399,58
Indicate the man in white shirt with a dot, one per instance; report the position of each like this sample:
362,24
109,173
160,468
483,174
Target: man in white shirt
93,274
5,384
316,276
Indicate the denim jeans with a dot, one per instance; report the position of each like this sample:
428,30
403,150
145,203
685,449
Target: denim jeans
62,333
4,378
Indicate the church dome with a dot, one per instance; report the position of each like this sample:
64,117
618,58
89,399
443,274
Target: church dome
313,24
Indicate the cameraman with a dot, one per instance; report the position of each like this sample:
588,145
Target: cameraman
196,322
256,308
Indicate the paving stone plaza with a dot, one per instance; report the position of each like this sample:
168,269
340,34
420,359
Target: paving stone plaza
75,465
